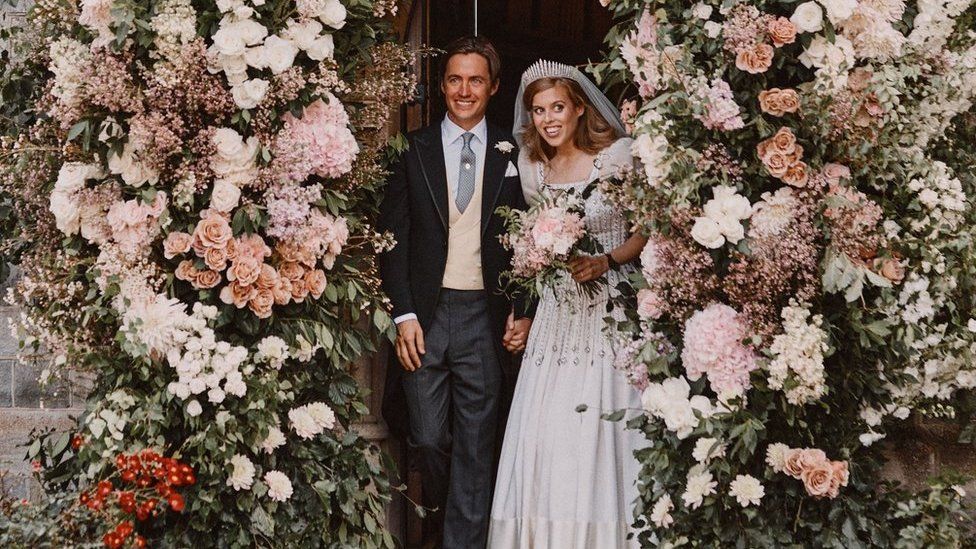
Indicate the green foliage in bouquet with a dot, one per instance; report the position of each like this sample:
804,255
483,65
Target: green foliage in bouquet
808,278
192,188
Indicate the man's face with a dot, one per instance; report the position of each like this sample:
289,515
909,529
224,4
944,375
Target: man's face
467,87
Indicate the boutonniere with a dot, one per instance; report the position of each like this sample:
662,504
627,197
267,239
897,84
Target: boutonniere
504,147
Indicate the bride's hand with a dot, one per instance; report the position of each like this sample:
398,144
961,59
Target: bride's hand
586,268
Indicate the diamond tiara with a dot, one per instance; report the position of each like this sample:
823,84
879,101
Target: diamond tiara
547,69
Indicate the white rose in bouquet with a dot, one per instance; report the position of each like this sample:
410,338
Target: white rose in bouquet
250,93
225,196
708,233
839,10
333,14
322,48
808,17
67,217
303,34
133,172
278,54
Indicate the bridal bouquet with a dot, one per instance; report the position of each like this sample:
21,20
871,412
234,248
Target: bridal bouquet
543,240
808,280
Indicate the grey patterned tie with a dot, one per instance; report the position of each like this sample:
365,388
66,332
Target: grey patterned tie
469,163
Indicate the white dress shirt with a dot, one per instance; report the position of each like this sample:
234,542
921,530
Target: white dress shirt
453,143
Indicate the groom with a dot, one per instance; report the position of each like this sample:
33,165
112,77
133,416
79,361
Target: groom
453,323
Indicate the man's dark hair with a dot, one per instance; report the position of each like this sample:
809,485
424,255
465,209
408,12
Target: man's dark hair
474,44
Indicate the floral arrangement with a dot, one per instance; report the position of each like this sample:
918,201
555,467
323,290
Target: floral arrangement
544,238
195,185
807,282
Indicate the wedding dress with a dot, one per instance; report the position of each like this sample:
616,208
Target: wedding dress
567,480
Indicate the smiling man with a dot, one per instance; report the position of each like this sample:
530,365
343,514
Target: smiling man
455,328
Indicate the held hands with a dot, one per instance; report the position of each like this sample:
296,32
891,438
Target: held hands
516,333
586,267
410,344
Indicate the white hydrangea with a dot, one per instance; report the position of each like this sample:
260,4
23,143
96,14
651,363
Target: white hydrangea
700,484
279,486
798,356
747,490
68,58
175,25
241,473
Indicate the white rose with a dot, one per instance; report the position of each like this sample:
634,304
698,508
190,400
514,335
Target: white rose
250,93
227,41
322,48
839,10
243,12
902,412
304,34
869,438
322,414
702,10
707,233
241,474
133,172
713,29
228,5
840,54
971,325
72,176
279,54
279,487
256,57
225,196
815,53
215,395
872,416
808,17
67,216
250,31
707,449
333,14
193,408
732,229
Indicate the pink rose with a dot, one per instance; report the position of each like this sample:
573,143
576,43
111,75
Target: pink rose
215,258
755,61
244,270
781,31
260,304
796,175
315,281
212,232
835,172
818,478
237,294
207,279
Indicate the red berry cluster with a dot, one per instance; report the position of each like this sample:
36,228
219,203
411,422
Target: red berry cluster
146,479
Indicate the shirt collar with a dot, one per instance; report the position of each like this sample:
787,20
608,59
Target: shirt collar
451,132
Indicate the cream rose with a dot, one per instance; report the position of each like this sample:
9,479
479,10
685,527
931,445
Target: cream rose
333,14
225,196
250,93
176,243
817,479
808,17
708,233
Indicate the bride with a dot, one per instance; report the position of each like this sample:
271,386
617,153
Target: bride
568,479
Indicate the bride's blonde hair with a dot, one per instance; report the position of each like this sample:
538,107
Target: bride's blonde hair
593,134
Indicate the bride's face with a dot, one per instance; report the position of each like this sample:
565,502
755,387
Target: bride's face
555,116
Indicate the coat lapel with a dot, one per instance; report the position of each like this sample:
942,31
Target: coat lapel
495,164
430,153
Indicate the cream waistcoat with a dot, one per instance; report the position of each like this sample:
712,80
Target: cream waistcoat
463,269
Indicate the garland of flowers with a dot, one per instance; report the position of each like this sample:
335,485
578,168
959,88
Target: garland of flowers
808,279
194,184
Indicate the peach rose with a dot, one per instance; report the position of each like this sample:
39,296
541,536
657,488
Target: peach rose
784,142
796,175
261,303
282,291
315,281
244,270
781,31
186,271
252,245
797,460
207,279
237,294
835,172
292,271
299,290
213,232
267,278
215,258
176,243
777,164
755,61
288,251
893,270
778,102
797,154
818,479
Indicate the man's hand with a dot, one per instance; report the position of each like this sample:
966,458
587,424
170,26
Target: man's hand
516,333
410,344
586,268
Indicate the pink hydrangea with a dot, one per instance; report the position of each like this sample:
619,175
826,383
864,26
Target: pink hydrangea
721,110
320,143
713,347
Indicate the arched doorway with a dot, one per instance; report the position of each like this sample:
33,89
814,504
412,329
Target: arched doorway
568,31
